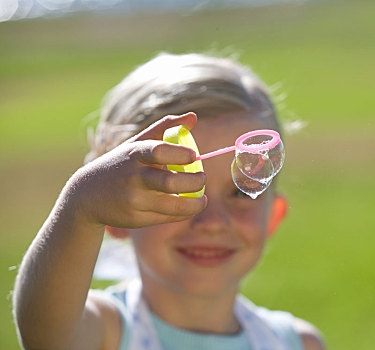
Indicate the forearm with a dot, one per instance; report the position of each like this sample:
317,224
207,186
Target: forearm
55,276
126,188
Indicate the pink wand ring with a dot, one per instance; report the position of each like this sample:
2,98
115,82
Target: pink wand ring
257,148
240,146
259,157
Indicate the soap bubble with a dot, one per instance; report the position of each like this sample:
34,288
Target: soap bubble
245,184
259,157
277,156
255,166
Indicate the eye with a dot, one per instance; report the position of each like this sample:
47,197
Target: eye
239,194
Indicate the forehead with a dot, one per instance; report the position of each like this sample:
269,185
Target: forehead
223,130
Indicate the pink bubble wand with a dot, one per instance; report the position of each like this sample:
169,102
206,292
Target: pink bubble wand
240,145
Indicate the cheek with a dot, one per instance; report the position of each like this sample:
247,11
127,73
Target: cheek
253,233
254,213
251,223
148,250
143,241
154,240
249,214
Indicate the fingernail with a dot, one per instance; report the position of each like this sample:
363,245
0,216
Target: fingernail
204,177
205,201
193,156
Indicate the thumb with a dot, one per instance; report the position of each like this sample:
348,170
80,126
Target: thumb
156,130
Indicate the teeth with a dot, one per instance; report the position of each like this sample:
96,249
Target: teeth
205,253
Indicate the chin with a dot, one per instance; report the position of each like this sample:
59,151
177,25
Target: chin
206,286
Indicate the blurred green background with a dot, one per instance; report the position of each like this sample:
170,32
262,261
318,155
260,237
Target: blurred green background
320,265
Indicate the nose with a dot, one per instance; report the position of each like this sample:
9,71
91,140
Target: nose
213,219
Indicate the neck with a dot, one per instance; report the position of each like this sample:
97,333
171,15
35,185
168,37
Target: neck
208,313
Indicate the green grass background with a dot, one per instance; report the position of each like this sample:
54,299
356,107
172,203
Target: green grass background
320,265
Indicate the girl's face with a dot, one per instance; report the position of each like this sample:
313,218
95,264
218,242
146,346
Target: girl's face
209,253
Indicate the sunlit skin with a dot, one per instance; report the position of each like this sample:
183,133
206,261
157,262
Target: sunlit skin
190,265
192,252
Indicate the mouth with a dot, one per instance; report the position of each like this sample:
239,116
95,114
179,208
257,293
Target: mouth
206,256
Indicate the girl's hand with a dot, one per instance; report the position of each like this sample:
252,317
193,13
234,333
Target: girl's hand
128,187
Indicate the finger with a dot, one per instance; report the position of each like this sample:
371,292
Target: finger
156,130
172,182
150,218
159,152
173,205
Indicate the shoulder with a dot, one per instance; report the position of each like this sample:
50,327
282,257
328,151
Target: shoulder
295,332
282,324
106,311
309,334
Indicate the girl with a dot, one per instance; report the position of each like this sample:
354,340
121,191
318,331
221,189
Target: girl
192,252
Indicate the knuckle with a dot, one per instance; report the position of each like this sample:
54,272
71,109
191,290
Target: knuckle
129,199
168,118
143,176
169,183
133,152
157,151
133,199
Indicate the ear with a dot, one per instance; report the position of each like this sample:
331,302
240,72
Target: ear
278,212
116,232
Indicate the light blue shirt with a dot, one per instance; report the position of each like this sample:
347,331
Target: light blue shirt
172,338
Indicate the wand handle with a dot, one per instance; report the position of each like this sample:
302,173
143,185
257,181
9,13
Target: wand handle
216,153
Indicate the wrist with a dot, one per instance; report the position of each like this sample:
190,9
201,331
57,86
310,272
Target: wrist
73,205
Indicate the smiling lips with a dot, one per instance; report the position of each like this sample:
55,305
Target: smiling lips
206,256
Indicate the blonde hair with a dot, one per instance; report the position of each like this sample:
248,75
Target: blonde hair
175,84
